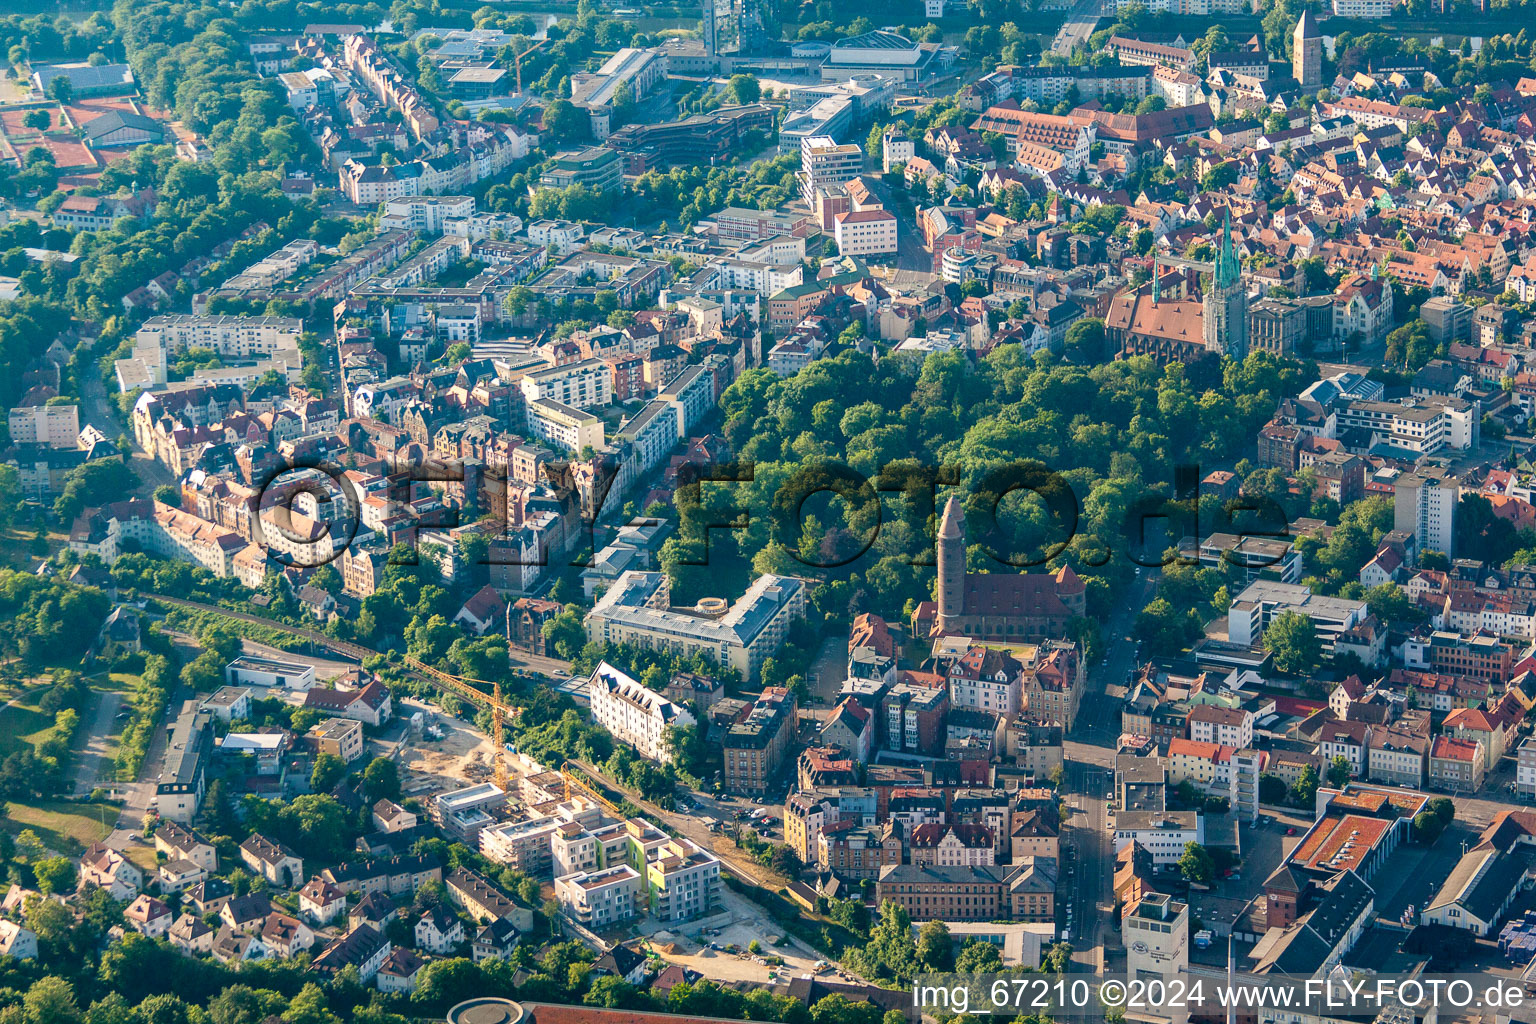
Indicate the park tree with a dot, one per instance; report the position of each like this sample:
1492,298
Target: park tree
1339,771
1292,639
1196,864
1427,827
566,122
934,949
744,89
978,956
329,770
381,780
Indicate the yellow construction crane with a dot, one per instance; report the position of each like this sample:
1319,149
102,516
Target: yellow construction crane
462,687
573,779
518,62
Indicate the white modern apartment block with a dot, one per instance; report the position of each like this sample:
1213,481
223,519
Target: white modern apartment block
824,163
1362,8
1423,426
865,232
1212,723
1424,504
601,899
274,339
563,426
57,426
558,236
425,213
637,610
762,278
896,148
581,385
242,337
634,714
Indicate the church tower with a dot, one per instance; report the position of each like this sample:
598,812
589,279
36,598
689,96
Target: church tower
1224,309
951,552
1307,52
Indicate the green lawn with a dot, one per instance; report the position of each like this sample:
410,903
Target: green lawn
23,726
66,827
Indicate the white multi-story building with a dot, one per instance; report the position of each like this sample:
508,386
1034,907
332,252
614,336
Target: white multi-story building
1424,504
1262,600
242,337
1525,769
896,148
601,899
637,610
652,433
1362,8
1157,938
586,384
1211,723
274,339
762,278
57,426
425,213
865,232
1423,426
1164,834
634,714
824,163
558,236
563,426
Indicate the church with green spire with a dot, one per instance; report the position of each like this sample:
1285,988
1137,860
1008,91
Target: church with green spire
1224,307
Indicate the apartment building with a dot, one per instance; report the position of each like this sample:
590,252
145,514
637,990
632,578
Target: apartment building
339,737
985,679
1397,757
586,384
757,742
425,213
563,426
865,232
637,610
55,426
1456,766
1424,505
1051,685
184,778
601,899
823,163
682,881
634,714
1212,723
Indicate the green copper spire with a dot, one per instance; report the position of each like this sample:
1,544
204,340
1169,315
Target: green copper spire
1228,269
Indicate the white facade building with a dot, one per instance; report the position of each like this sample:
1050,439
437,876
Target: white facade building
634,714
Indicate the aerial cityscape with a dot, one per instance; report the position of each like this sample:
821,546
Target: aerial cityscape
548,512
